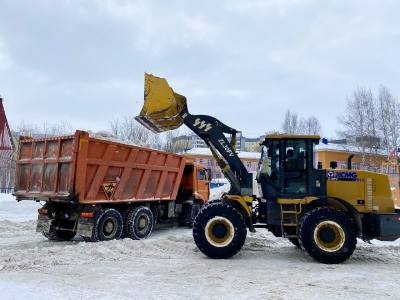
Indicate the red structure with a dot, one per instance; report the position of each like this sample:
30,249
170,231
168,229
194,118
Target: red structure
6,141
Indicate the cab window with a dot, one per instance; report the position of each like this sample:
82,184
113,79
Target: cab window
201,174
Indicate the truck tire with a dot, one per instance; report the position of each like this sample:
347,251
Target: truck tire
219,230
140,223
328,235
108,225
59,235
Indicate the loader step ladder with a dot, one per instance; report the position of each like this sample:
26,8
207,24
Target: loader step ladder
290,218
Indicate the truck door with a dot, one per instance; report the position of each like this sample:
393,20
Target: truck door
203,183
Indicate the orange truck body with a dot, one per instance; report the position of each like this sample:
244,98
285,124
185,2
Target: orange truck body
91,170
87,182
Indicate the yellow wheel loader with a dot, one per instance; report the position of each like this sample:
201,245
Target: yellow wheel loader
320,211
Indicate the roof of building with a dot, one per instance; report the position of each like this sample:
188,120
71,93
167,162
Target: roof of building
344,148
207,152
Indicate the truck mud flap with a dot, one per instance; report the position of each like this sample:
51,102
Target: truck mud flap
43,224
85,227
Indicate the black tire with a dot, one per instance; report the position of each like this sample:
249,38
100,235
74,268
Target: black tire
295,241
328,235
59,235
219,230
190,211
108,225
140,223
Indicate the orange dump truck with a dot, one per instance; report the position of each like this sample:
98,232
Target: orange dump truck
103,190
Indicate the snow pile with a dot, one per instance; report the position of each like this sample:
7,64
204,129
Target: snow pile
169,265
12,210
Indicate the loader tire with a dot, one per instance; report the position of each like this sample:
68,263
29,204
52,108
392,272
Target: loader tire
295,241
219,230
59,235
328,235
140,223
108,225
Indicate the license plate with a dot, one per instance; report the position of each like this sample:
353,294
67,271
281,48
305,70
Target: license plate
43,225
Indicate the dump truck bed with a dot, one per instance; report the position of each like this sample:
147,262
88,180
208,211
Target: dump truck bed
80,168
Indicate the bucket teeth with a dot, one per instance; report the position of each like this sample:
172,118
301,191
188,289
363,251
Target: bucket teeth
162,108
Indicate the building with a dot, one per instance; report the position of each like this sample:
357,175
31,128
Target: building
251,144
204,157
187,142
341,152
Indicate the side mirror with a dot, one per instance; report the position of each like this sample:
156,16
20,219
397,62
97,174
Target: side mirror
333,164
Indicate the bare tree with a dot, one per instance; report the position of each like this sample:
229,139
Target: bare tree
370,122
290,124
129,130
44,129
310,125
388,119
293,124
361,121
178,140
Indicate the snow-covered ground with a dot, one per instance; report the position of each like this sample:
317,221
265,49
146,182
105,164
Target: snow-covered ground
168,265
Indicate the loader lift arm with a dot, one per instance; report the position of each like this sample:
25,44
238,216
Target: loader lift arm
165,110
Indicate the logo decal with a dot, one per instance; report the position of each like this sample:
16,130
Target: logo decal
226,147
202,124
108,188
342,176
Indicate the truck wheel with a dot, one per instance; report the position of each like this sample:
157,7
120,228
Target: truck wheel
140,223
108,225
327,235
59,235
295,241
219,230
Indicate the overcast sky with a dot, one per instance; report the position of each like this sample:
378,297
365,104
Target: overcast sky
244,62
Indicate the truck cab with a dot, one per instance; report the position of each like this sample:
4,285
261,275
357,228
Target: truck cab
195,182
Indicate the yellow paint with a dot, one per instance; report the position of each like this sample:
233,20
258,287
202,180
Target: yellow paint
162,107
371,187
244,201
303,201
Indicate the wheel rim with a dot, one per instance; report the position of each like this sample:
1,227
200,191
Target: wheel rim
109,227
219,231
143,222
329,236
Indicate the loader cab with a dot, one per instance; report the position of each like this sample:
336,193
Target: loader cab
287,167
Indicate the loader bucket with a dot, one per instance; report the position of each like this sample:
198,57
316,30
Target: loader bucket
163,108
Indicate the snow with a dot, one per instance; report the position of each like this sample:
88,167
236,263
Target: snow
169,266
216,193
343,148
12,210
